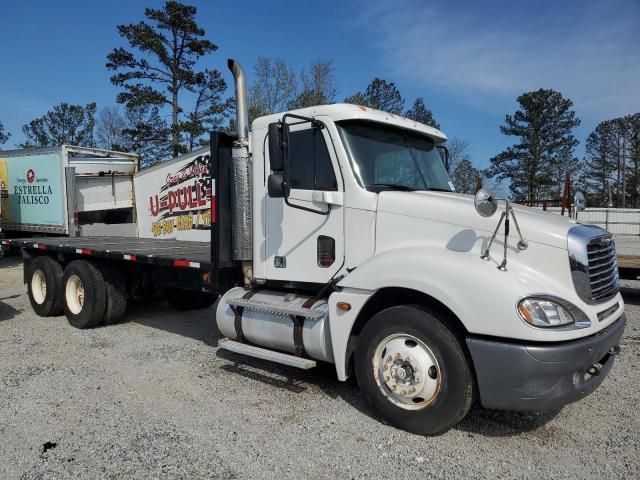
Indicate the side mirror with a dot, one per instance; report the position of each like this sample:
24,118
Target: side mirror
276,144
277,187
485,203
444,154
277,183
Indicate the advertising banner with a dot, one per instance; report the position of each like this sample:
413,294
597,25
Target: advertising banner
31,190
174,200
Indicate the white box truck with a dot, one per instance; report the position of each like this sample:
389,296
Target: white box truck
338,238
67,190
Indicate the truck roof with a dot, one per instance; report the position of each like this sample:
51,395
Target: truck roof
346,111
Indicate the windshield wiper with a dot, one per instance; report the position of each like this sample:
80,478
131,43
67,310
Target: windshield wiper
393,186
435,189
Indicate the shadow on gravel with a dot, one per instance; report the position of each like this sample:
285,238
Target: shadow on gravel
630,295
7,312
498,423
10,261
200,325
197,324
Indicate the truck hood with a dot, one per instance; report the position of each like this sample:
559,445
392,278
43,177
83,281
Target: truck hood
458,209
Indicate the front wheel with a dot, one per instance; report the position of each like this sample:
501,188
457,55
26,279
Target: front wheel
412,369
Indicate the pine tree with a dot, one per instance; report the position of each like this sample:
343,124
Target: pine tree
598,166
465,177
147,135
65,124
544,125
165,66
381,95
420,113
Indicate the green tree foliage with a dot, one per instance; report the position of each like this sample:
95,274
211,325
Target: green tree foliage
543,125
210,108
274,87
598,166
65,124
318,85
4,135
381,95
147,135
420,113
465,177
165,66
612,163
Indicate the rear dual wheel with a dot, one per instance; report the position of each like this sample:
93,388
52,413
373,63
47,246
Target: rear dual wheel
44,285
93,296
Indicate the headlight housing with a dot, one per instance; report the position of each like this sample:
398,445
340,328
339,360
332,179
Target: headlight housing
542,312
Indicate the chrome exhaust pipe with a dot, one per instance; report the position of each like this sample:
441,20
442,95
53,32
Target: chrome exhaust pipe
242,106
241,223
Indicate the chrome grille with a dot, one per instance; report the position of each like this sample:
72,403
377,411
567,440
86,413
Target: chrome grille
603,268
592,259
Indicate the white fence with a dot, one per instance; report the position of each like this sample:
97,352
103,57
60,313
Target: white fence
619,221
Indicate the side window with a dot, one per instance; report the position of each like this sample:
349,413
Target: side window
310,165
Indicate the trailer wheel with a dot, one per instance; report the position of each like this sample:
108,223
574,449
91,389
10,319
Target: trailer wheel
85,295
117,296
413,371
184,300
45,286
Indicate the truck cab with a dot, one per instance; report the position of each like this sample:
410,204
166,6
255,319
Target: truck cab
414,288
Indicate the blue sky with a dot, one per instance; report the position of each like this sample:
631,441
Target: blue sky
469,60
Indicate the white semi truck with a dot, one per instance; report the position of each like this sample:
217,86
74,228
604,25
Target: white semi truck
338,237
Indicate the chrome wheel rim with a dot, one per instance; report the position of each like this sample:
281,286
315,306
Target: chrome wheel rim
74,294
406,371
38,286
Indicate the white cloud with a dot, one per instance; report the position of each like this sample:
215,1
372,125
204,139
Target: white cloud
590,51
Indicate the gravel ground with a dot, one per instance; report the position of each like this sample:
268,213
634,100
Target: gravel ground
153,398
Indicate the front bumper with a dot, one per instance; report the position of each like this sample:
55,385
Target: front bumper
535,376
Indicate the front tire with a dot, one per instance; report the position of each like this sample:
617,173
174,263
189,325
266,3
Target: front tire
45,286
85,296
413,371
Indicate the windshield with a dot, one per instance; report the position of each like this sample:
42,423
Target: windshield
385,157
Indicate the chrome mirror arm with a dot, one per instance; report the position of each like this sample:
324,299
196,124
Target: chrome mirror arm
485,254
522,243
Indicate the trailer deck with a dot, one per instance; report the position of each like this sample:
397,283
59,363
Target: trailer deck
171,253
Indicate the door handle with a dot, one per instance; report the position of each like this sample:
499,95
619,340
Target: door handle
330,198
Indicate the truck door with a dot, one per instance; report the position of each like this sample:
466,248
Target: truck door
303,246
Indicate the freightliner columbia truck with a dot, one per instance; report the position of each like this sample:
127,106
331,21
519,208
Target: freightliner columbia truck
338,237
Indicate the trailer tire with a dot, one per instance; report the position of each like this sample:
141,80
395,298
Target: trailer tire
184,300
44,286
85,295
117,296
413,371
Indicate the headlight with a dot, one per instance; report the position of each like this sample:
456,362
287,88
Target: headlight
538,312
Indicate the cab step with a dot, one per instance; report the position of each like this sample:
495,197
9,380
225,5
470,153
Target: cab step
265,354
281,308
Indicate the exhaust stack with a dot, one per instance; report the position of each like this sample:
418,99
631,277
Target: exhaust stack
242,106
241,224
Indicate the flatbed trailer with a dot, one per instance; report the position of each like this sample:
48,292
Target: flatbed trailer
628,252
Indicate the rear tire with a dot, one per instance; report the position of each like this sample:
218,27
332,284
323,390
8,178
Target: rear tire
85,296
117,296
45,286
184,300
413,371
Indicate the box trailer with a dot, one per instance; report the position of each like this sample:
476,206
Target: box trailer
338,237
67,190
173,199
